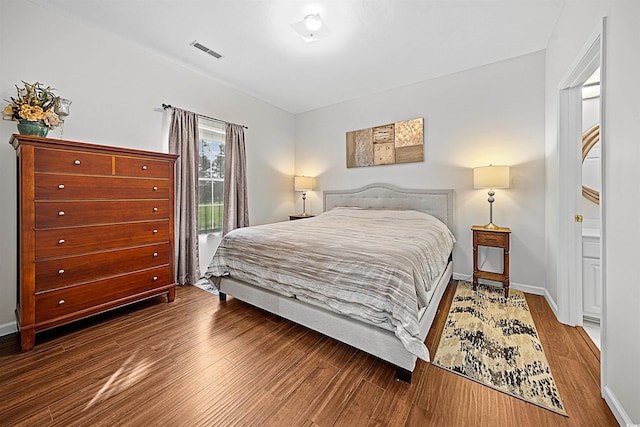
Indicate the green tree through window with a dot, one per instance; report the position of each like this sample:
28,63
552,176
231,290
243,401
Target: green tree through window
210,176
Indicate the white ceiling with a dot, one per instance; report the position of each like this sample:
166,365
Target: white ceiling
374,45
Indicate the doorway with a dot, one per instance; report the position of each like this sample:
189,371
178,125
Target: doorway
570,242
591,224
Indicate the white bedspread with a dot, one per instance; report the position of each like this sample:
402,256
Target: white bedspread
372,265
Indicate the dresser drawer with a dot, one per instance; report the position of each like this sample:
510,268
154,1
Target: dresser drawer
489,238
61,272
46,160
66,214
53,304
77,240
78,187
137,166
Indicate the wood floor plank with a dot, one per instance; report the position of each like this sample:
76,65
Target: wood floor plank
341,388
185,397
296,407
358,411
394,408
29,388
111,399
198,361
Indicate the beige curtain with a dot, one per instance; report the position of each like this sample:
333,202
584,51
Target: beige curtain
236,210
183,140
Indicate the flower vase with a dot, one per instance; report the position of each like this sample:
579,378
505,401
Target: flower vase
27,127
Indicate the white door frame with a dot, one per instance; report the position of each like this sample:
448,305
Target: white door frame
569,261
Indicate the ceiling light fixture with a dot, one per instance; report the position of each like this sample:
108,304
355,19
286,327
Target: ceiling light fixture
311,28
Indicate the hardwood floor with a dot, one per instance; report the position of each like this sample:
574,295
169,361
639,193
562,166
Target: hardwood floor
197,361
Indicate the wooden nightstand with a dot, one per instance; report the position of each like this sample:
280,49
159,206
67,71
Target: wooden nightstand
498,238
292,217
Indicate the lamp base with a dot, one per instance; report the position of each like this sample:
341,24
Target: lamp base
304,214
491,226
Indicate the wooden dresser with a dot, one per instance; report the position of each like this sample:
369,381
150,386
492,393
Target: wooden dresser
95,230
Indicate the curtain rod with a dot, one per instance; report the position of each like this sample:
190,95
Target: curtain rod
167,106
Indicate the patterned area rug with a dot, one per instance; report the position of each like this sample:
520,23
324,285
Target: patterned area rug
205,285
492,340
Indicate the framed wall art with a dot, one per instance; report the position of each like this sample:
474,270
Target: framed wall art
401,142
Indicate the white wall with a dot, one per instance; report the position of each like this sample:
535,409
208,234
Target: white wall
492,114
117,90
621,151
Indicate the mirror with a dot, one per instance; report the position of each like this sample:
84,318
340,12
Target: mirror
590,138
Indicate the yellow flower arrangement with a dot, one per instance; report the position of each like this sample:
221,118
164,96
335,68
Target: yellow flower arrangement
34,103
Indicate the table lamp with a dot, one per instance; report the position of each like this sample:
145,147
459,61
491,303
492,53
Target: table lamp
491,177
304,184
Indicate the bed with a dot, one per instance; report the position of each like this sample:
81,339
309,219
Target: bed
383,302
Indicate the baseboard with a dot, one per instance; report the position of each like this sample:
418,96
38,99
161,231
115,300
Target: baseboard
616,407
552,304
8,328
529,289
460,276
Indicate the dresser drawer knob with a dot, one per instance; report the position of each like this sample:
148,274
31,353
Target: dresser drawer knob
155,188
61,302
61,186
61,241
155,209
155,231
76,162
155,254
61,213
60,271
144,167
155,278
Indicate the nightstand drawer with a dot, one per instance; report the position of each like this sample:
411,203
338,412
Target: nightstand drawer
489,238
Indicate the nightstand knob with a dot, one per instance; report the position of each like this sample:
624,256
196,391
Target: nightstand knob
61,241
144,167
76,162
61,302
155,209
61,213
155,278
61,186
155,188
60,271
155,254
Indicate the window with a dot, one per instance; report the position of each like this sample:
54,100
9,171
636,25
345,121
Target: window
210,176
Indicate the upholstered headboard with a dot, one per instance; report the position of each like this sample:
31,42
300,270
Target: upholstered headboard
438,203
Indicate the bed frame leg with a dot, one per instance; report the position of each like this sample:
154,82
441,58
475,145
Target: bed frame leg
403,375
222,296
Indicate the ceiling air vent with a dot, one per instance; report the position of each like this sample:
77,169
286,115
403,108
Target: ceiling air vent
206,49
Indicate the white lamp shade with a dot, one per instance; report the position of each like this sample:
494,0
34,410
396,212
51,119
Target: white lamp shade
303,183
491,177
